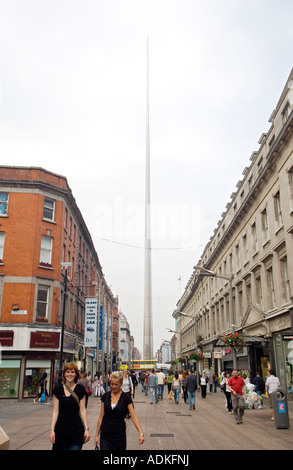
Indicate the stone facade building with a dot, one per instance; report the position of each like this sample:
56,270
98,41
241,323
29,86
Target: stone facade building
253,245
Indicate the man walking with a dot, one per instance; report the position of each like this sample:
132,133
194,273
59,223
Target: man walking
161,382
238,392
191,387
153,386
272,384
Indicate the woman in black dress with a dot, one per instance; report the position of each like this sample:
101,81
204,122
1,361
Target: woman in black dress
69,426
111,428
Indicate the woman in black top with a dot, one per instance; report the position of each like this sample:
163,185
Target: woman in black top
111,428
69,426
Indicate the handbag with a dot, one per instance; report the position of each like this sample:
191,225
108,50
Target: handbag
223,387
88,390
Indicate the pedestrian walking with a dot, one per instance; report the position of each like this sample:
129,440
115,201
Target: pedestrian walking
183,383
83,381
153,386
170,378
42,389
127,386
146,383
238,391
111,428
142,381
191,387
225,388
272,384
134,381
215,382
161,383
203,385
259,384
69,426
176,387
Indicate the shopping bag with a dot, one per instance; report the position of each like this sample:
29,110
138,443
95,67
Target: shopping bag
43,397
171,395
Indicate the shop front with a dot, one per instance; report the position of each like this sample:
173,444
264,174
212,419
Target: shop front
25,355
9,377
283,346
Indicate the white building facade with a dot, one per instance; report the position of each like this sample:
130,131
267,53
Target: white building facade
253,245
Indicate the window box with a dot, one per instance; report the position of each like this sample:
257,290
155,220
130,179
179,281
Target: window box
42,319
42,264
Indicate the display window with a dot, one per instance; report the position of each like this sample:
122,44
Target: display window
284,360
34,371
9,378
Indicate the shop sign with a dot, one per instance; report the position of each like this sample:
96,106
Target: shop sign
217,354
207,355
227,351
287,338
44,340
91,319
6,337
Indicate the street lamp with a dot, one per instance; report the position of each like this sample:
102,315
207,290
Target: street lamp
195,323
66,266
207,272
177,333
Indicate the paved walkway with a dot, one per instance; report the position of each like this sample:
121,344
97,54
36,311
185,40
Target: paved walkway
166,425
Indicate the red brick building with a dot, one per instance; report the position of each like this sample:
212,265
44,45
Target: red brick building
41,227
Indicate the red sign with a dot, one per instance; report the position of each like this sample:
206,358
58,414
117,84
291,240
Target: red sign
6,337
41,339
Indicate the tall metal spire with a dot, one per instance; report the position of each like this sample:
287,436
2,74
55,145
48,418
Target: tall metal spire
148,319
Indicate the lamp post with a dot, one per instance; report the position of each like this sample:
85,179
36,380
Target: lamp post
66,266
208,273
177,333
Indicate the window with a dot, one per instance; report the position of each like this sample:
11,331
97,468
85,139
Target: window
2,237
286,112
46,251
3,203
42,303
285,279
265,225
271,288
278,211
254,238
49,209
290,187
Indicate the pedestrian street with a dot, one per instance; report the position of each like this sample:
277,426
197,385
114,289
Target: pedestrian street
166,425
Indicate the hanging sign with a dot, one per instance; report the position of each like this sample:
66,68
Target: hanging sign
91,312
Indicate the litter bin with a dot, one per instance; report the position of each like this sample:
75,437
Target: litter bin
280,407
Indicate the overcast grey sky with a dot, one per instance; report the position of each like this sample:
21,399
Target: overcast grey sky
73,101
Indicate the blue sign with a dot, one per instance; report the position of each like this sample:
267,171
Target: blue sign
282,407
101,329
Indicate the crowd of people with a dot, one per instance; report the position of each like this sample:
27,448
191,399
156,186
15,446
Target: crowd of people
69,426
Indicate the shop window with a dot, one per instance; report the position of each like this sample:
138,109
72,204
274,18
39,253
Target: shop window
33,374
284,360
3,203
9,378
